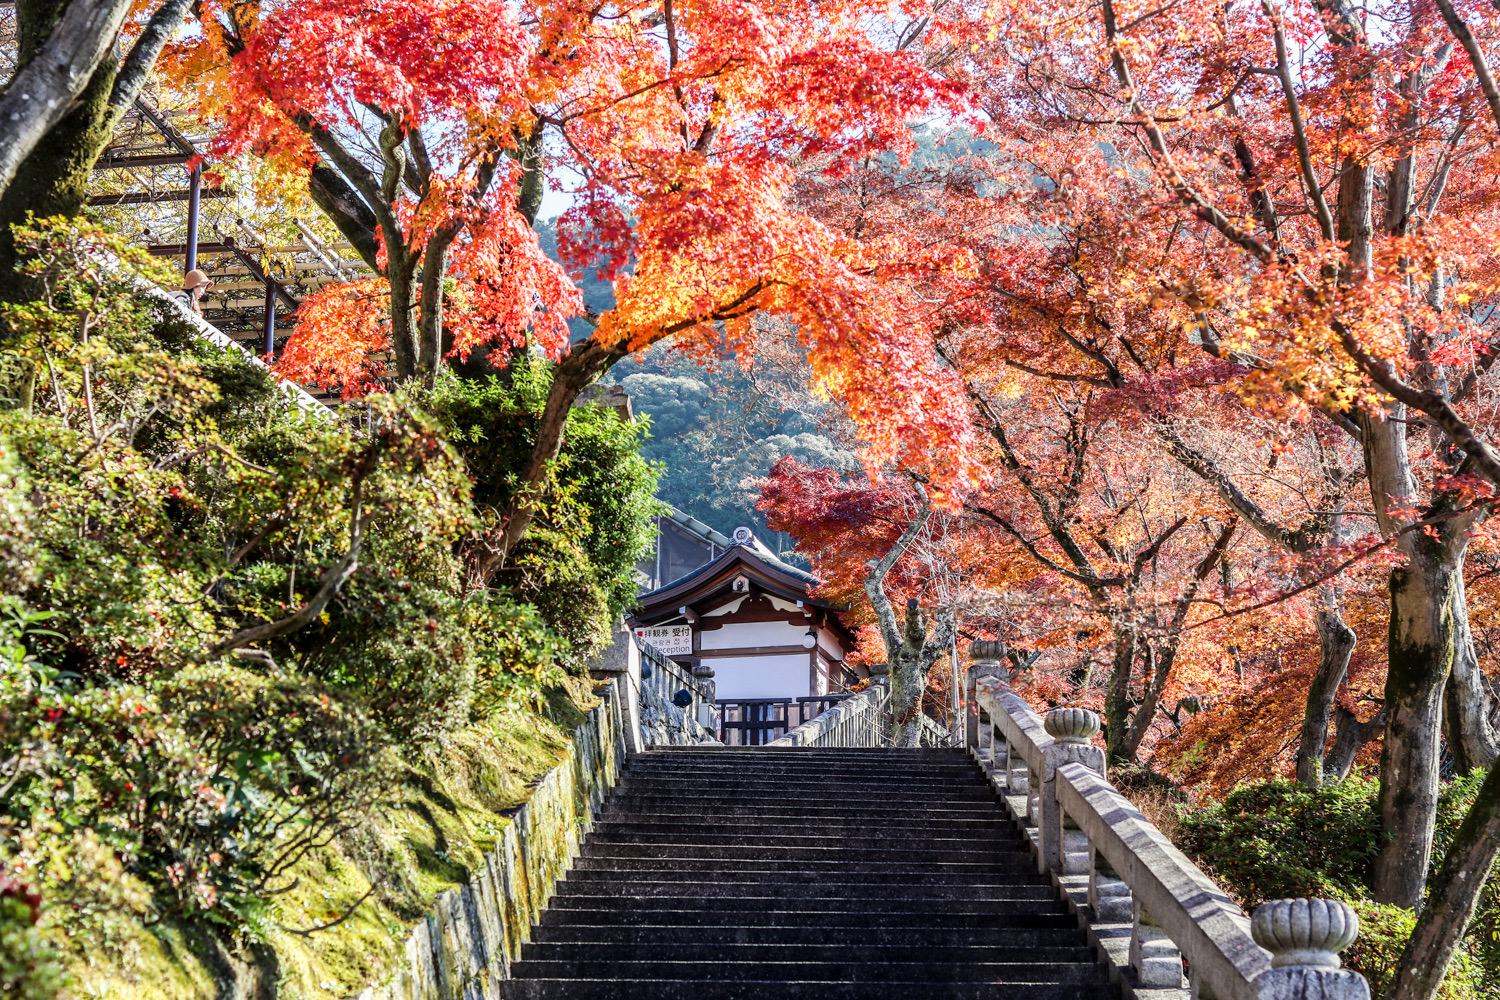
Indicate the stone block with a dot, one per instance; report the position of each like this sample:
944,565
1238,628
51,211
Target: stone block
1305,982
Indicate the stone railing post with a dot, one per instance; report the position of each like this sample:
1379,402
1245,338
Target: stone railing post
1108,893
1304,937
1063,847
986,655
621,663
1154,958
705,676
1017,774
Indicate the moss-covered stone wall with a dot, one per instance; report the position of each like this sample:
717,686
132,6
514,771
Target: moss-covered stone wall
463,950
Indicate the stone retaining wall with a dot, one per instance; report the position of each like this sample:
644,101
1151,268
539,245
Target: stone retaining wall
464,949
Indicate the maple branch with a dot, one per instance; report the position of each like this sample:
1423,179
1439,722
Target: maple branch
1209,471
329,583
1151,551
131,78
1299,129
1175,180
1476,56
338,200
1323,578
1471,381
1428,401
1145,713
357,174
1091,581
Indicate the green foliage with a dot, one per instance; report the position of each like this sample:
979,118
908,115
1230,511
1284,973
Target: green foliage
30,967
575,565
227,627
613,489
1278,839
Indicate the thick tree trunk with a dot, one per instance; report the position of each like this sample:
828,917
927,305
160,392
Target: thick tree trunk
1336,640
1453,898
908,680
405,346
61,51
1117,697
1423,638
54,178
1466,702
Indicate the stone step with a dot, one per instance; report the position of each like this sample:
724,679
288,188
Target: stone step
854,792
829,850
823,753
990,931
813,895
693,810
806,874
848,971
791,916
809,772
780,874
965,953
781,989
857,839
794,868
718,909
870,791
659,826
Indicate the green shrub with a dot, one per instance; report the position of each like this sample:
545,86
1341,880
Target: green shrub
30,966
1279,839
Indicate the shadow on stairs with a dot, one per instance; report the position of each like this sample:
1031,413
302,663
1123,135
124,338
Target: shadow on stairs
793,874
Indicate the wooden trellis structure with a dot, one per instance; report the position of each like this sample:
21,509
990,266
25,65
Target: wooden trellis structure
258,284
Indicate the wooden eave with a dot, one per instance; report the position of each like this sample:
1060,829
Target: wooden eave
710,585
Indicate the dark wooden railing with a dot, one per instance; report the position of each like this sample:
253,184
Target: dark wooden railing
754,722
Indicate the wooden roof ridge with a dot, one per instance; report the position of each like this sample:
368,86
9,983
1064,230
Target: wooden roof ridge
770,573
723,541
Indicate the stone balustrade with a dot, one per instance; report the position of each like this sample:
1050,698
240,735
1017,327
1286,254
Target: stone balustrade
860,721
1084,828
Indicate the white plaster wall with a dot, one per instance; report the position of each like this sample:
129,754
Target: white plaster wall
741,634
783,676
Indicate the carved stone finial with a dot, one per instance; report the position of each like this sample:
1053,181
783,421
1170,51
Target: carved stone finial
987,650
1304,932
1071,725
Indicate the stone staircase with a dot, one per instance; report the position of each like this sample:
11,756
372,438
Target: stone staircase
796,873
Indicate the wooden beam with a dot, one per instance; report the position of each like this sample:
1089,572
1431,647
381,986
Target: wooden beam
156,160
147,198
753,651
180,249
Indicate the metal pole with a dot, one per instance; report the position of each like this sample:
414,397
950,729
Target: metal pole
270,318
195,178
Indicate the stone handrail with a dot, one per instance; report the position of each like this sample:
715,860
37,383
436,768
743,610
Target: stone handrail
933,734
667,677
860,721
1084,827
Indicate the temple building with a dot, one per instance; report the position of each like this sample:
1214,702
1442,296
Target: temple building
745,613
